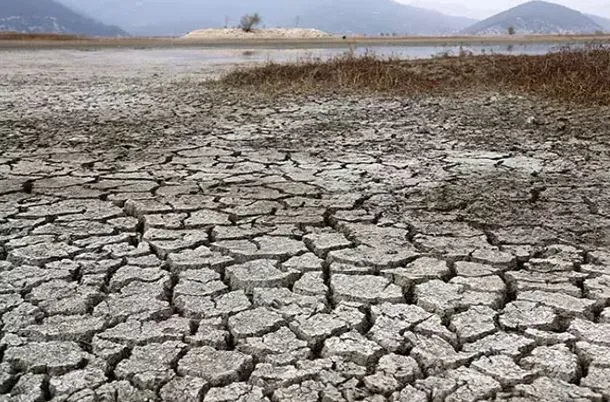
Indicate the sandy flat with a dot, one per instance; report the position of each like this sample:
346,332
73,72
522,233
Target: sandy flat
269,33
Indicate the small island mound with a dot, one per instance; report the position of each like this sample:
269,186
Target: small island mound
268,33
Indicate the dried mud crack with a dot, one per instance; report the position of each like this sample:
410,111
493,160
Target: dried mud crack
162,240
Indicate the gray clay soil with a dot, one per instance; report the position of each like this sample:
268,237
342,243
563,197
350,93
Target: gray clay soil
162,239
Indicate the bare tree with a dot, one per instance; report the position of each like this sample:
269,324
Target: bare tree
249,21
511,30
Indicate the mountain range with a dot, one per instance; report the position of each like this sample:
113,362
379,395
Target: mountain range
536,17
601,21
369,17
50,16
177,17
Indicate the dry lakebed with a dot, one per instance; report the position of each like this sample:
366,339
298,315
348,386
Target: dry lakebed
165,239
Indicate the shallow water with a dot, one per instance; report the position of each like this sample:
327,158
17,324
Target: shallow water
212,61
402,52
223,56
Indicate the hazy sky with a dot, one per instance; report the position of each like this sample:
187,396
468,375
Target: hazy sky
485,8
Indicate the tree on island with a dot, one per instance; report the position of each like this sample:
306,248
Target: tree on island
249,21
511,30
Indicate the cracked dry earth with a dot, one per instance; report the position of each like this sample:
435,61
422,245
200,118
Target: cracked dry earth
161,240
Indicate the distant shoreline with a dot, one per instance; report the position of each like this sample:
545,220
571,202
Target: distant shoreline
39,41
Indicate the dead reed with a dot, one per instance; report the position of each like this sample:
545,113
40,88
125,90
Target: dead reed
580,76
38,36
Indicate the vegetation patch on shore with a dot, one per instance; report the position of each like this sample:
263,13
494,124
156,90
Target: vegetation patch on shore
580,76
40,36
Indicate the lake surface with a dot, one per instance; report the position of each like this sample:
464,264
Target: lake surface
257,55
231,55
402,52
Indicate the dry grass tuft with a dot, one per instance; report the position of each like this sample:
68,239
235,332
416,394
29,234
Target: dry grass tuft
580,76
38,36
